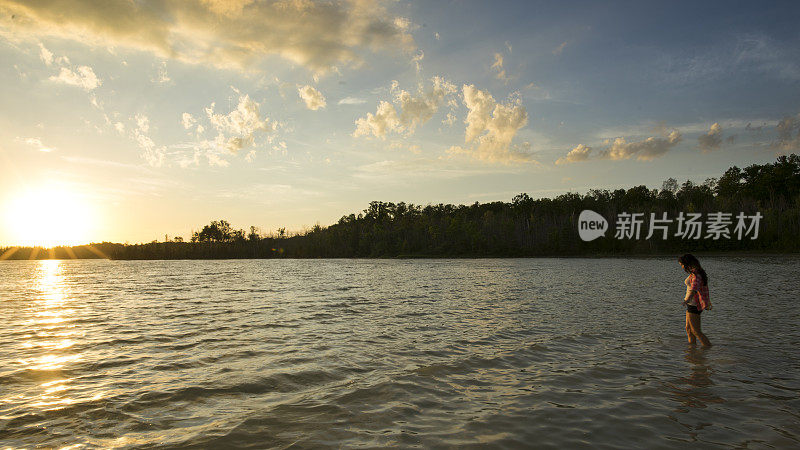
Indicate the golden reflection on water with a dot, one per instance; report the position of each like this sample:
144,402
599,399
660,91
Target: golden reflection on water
52,335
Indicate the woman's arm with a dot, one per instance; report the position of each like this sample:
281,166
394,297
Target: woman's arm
689,295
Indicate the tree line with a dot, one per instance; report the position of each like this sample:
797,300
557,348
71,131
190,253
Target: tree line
519,228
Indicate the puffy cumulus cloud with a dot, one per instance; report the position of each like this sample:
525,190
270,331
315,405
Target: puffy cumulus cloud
312,97
711,140
491,128
788,134
480,105
644,150
236,130
225,33
418,109
384,120
83,77
412,110
188,120
579,153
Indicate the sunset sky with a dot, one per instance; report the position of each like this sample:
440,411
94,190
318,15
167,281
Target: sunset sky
135,119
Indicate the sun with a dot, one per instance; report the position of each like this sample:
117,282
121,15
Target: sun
48,217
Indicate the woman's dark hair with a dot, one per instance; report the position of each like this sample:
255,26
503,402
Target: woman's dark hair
692,265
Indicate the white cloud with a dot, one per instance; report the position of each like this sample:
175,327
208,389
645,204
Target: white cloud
162,76
412,110
238,128
491,128
711,140
352,101
96,103
235,131
579,153
480,105
620,149
313,98
238,33
187,120
142,123
83,78
36,143
378,124
416,110
280,148
498,67
154,155
648,149
46,55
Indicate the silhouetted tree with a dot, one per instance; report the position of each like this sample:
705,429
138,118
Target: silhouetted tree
523,227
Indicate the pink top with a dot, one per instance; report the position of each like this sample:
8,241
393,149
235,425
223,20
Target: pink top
701,297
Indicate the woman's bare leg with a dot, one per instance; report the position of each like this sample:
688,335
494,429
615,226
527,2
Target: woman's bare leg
689,334
694,323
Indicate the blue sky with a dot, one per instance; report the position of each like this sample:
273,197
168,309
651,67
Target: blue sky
154,118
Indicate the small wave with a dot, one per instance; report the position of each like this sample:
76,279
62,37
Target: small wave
282,382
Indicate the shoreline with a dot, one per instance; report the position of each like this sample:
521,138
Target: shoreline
733,254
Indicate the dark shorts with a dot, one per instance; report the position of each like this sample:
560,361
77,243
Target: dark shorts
693,309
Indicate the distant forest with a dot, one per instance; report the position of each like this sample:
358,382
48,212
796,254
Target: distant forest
520,228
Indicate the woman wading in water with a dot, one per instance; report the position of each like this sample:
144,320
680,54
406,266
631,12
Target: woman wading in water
697,298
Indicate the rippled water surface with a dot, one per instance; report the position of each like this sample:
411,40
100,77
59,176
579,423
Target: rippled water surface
430,353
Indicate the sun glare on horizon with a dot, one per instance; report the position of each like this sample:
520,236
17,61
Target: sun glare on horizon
48,217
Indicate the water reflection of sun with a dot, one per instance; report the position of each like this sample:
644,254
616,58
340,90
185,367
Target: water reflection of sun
53,334
48,281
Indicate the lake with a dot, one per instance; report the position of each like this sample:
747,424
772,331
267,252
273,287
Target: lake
372,353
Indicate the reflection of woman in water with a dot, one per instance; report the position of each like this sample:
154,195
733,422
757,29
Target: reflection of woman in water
697,298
